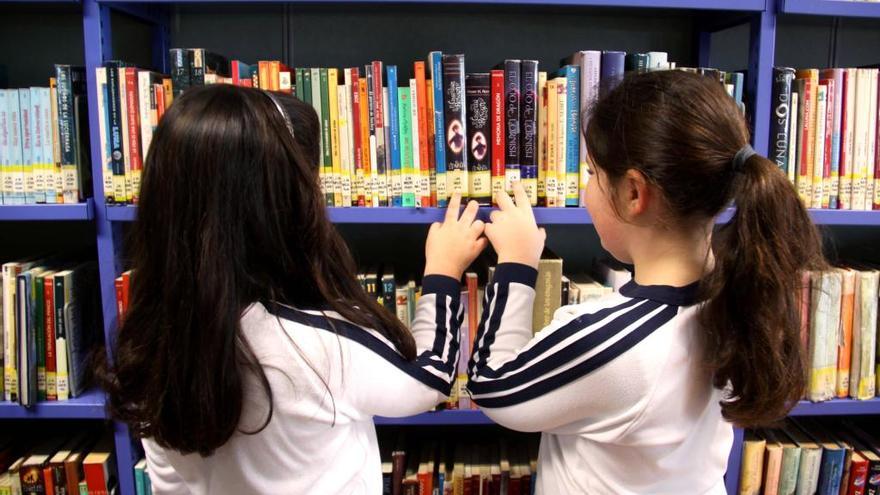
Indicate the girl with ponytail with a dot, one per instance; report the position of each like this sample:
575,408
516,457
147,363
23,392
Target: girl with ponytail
638,392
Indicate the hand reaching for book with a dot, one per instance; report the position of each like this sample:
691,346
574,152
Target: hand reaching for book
513,231
454,244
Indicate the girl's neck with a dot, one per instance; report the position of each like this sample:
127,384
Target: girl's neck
674,258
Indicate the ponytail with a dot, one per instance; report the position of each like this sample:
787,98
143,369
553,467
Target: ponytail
751,317
688,138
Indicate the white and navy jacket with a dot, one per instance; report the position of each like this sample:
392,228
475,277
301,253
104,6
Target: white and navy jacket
329,378
616,385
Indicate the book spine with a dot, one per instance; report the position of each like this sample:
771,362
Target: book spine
590,79
612,68
333,105
103,133
343,95
875,202
146,100
275,75
416,152
62,297
16,163
134,134
359,192
40,334
847,123
405,119
819,147
436,60
432,164
299,90
512,127
67,132
49,317
836,137
572,131
380,166
872,142
196,59
542,139
456,127
326,140
424,164
38,104
636,62
57,186
529,132
394,112
365,142
123,125
830,171
372,171
550,179
498,132
779,118
478,100
860,144
179,70
27,143
561,140
5,177
118,158
806,140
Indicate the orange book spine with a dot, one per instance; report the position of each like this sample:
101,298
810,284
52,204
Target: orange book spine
847,307
424,165
48,480
274,75
365,148
263,74
126,291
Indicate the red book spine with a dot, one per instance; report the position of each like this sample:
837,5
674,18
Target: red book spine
829,123
49,317
497,93
858,477
120,311
358,191
126,290
95,478
236,77
134,129
424,165
49,480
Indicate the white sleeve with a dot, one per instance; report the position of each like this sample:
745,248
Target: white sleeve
561,375
381,382
164,479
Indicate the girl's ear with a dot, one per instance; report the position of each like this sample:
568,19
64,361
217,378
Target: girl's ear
635,194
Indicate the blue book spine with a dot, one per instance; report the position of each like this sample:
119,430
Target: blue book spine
835,139
396,178
15,168
26,116
436,65
831,471
738,81
611,71
572,133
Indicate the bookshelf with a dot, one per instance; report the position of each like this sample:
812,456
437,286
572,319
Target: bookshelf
759,16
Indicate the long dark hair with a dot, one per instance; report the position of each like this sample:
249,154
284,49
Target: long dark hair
230,213
682,132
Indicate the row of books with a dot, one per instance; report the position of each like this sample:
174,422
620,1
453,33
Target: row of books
142,483
44,141
50,325
130,103
839,332
429,467
824,134
82,464
808,456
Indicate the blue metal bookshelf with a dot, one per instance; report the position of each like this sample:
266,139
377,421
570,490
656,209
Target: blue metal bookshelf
79,212
760,15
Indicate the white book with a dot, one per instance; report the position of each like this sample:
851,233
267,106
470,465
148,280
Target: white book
824,334
5,178
872,142
16,163
345,170
48,164
819,143
862,370
145,84
848,137
419,181
863,119
38,192
27,142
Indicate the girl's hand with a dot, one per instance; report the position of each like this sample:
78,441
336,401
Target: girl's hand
513,232
454,244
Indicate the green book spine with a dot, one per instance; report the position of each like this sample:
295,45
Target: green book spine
326,150
404,109
39,329
299,85
307,86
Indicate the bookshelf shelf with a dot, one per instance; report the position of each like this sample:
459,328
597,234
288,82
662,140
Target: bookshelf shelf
837,8
76,212
731,5
90,405
438,418
544,216
837,407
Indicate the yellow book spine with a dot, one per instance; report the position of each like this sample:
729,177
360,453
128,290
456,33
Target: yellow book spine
562,114
752,467
333,86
